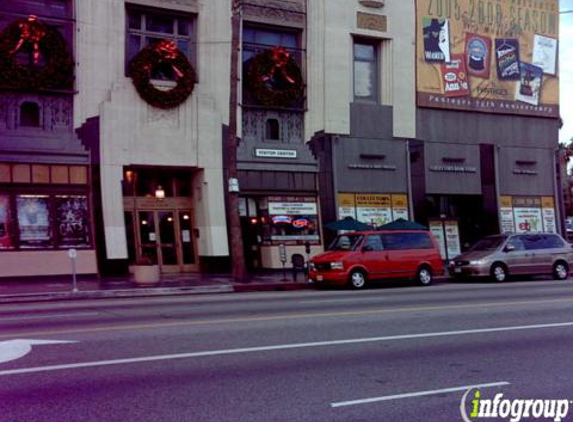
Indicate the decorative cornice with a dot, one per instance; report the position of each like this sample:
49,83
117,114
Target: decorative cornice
376,4
372,22
290,13
185,5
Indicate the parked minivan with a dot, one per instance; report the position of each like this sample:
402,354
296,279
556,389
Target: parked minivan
360,257
501,256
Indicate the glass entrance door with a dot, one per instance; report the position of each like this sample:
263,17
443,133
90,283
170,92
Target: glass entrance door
166,237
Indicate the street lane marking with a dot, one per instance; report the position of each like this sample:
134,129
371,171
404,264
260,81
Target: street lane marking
417,394
27,317
16,349
285,317
279,347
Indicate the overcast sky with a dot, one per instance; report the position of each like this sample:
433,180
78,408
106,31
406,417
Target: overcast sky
566,70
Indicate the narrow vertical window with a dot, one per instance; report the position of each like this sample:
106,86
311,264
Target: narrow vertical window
273,129
365,71
29,114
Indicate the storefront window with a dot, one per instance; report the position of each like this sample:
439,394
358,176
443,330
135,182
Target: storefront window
34,221
5,240
72,220
291,219
44,221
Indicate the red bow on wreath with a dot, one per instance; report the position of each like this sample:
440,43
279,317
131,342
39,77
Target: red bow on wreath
31,31
167,51
280,58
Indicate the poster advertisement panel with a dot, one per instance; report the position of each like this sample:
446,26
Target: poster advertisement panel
508,52
527,220
5,240
346,205
33,221
548,211
507,224
372,208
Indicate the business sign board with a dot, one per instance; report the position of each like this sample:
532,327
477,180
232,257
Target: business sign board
494,56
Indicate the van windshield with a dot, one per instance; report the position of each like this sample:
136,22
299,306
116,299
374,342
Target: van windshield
345,242
488,244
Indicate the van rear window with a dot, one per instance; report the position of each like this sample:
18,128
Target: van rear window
406,241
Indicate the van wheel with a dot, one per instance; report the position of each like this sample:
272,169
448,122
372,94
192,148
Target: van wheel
560,270
424,276
498,273
357,279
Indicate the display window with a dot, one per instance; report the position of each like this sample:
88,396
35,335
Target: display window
278,220
44,221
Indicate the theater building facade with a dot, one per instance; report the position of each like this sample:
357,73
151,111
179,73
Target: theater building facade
451,117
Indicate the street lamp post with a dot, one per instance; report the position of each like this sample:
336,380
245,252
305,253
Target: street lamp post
239,271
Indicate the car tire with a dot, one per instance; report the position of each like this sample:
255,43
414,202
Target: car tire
560,270
498,273
357,279
424,276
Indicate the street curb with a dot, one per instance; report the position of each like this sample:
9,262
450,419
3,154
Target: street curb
268,287
150,292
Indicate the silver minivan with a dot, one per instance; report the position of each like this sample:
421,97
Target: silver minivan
506,255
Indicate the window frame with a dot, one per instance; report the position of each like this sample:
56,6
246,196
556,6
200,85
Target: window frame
375,44
143,33
252,48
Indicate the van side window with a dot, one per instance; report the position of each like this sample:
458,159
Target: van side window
551,241
532,242
374,242
517,243
406,241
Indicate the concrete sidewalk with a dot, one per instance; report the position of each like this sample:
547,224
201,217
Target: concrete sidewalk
61,287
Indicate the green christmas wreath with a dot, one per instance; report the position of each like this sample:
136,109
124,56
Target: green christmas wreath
148,60
274,78
54,71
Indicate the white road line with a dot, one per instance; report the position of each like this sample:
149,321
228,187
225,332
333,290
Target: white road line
417,394
357,299
278,347
27,317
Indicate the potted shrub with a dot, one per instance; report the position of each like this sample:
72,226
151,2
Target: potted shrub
146,271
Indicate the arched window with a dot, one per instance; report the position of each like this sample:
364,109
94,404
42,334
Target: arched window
273,129
29,114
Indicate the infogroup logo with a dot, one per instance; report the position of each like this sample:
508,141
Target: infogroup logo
514,410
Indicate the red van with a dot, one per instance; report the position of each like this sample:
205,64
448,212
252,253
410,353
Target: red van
360,257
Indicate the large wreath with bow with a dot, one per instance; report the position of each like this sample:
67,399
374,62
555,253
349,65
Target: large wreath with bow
51,67
142,66
274,78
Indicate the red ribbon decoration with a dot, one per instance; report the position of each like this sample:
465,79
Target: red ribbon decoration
167,50
280,58
31,31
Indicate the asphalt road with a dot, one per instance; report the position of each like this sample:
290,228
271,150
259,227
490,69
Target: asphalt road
386,354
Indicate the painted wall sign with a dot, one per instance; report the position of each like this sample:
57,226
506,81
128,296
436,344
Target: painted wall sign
509,49
275,153
507,59
455,77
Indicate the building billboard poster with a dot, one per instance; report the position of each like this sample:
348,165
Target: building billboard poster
509,56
